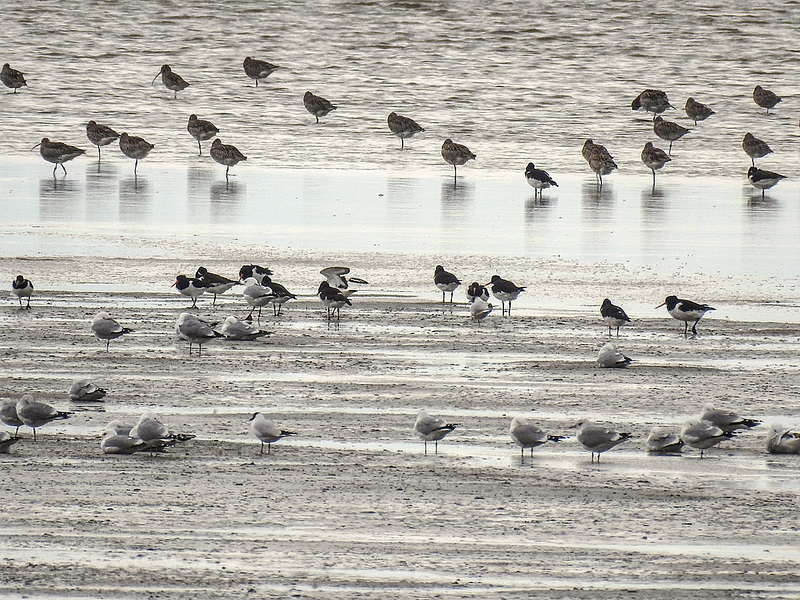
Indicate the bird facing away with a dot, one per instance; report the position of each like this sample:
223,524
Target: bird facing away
754,147
479,309
83,390
505,291
58,153
727,420
258,69
613,315
22,288
35,414
171,80
227,155
763,180
697,111
155,434
403,127
317,105
12,78
669,131
201,130
765,98
686,311
333,299
266,431
526,434
190,286
609,357
781,440
662,440
601,163
445,281
654,158
456,154
702,435
100,135
598,439
213,283
538,179
107,329
654,101
234,329
432,429
134,147
8,415
194,331
6,441
589,148
115,443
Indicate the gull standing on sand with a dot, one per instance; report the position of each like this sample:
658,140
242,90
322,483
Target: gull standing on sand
6,441
479,309
8,415
697,111
22,288
609,357
57,153
456,154
134,147
171,80
403,127
333,299
654,159
763,180
226,154
686,311
781,440
765,98
538,179
154,433
266,431
194,331
258,69
654,101
257,296
234,329
727,420
505,291
754,147
12,78
35,414
445,281
100,135
598,439
107,329
702,435
662,440
191,287
528,435
432,429
83,390
669,131
613,315
201,130
317,105
214,284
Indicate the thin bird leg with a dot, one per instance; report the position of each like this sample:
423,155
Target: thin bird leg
199,147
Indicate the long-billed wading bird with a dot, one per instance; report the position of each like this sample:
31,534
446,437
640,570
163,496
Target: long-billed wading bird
57,153
686,311
456,154
765,98
403,127
317,105
134,147
12,78
654,159
754,147
226,154
100,135
445,281
258,69
201,130
171,80
697,111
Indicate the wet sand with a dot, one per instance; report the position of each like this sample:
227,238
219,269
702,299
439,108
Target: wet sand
351,507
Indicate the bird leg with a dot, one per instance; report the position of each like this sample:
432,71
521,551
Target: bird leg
199,147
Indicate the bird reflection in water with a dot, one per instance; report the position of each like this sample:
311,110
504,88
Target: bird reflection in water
135,196
58,198
537,208
596,199
226,199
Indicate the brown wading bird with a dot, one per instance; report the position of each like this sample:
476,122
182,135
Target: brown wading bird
226,155
57,152
654,101
601,163
317,105
201,130
134,147
697,111
456,154
258,69
754,147
765,98
171,80
100,135
669,131
654,158
403,127
12,78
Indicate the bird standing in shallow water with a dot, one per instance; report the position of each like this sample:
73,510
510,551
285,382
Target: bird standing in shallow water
100,135
538,179
171,80
445,281
765,98
317,105
598,439
403,127
654,101
432,429
58,153
613,315
697,111
258,69
528,435
201,130
667,130
763,180
654,158
22,288
702,435
505,291
686,311
225,154
456,154
754,147
602,164
134,147
12,78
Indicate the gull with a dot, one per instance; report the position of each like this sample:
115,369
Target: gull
598,439
22,288
226,154
727,420
256,296
528,435
106,328
255,271
765,98
317,105
476,290
150,430
505,291
654,101
781,440
763,180
403,127
83,390
171,80
754,147
479,309
6,441
213,283
663,440
57,153
114,443
191,287
697,111
445,281
609,357
669,131
686,311
234,329
703,434
194,331
100,135
337,277
8,415
266,431
333,299
654,159
456,154
134,147
12,78
432,429
613,315
201,130
35,414
258,69
118,427
538,179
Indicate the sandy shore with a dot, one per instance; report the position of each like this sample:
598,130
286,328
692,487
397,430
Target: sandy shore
351,507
